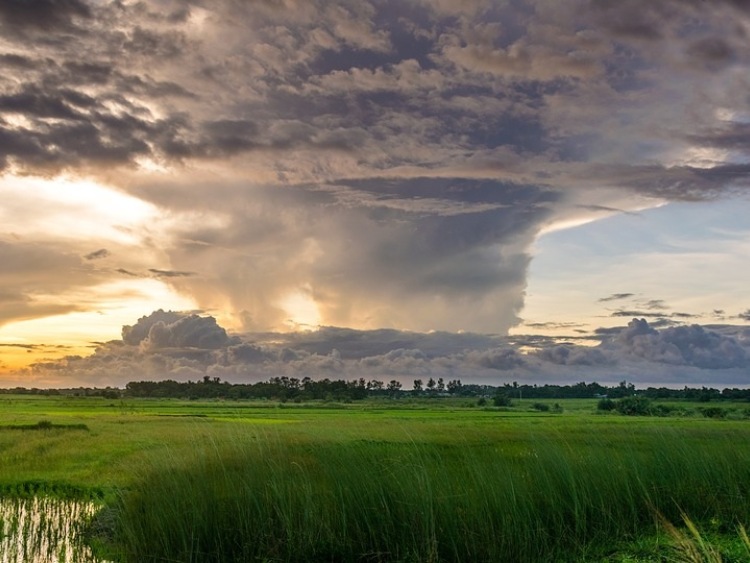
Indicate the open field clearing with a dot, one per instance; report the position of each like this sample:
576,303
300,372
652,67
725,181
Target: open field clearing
380,480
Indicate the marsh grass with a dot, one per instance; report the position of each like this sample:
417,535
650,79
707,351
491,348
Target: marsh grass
549,497
690,545
44,530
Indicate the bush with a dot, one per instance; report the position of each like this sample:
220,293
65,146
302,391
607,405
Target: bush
634,406
606,405
714,412
541,407
501,400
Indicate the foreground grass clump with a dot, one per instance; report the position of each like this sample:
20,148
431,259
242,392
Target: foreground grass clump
543,497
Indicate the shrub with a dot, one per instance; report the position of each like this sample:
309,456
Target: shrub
541,407
634,406
714,412
606,405
501,399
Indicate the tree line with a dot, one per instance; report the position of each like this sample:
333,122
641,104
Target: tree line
291,388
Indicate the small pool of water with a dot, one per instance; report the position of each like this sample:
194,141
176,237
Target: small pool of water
44,530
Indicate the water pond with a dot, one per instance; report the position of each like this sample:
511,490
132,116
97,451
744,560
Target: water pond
44,530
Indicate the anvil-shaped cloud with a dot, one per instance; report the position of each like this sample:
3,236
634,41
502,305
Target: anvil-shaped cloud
358,163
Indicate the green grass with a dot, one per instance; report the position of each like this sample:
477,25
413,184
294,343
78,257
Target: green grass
543,496
383,480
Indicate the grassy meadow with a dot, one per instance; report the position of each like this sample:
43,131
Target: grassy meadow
384,480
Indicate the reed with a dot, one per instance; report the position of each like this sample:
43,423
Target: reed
547,496
45,530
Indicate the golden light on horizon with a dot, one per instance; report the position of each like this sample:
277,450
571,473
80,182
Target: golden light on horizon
116,304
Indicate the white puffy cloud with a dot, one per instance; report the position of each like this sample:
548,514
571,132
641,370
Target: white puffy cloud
682,345
167,329
138,332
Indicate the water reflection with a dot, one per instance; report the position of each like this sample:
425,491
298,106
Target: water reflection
44,530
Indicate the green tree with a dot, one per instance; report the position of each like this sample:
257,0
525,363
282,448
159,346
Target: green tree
375,385
393,387
454,386
431,385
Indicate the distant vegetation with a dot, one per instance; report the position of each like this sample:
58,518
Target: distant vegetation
292,388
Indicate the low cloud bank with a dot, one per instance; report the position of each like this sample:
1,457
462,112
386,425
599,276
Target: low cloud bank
173,330
682,345
187,346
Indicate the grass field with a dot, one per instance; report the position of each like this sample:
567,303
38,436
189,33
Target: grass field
427,480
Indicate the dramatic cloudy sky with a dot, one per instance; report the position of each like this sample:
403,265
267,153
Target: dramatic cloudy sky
483,189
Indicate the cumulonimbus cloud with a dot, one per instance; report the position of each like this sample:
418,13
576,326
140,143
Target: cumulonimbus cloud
386,164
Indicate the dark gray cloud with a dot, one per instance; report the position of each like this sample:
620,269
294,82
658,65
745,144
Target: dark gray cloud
725,136
17,61
346,77
169,329
575,356
502,359
553,325
676,183
170,273
652,312
46,15
682,345
711,51
358,344
125,272
97,254
616,297
138,332
188,332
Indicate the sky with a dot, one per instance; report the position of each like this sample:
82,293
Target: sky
521,190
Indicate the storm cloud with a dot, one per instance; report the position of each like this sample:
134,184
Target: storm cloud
372,165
